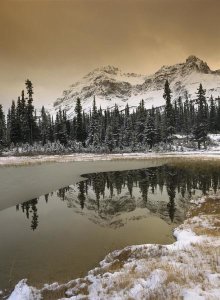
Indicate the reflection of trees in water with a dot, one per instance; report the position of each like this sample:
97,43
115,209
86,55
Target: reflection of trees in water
46,197
171,185
34,221
62,192
174,180
30,210
81,195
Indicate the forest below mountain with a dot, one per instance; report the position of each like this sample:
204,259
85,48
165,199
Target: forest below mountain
108,130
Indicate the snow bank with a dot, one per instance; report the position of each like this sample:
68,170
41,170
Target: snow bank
214,137
24,292
25,160
186,269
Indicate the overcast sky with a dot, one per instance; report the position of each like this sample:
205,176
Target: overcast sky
55,42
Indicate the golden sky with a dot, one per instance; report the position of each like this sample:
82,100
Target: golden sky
55,42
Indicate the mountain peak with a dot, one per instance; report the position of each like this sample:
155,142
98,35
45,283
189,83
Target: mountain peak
106,69
196,63
193,59
110,69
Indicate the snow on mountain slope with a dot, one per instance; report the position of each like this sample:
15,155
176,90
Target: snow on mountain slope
110,85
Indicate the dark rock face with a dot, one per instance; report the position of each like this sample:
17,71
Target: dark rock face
192,62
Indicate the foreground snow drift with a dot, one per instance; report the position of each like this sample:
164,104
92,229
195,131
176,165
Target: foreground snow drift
188,268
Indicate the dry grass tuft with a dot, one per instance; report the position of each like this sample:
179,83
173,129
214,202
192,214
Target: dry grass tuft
210,207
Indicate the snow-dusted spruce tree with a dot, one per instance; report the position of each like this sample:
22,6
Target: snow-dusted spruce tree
109,139
212,116
23,119
13,124
158,129
179,115
150,130
18,119
186,118
101,127
2,129
168,113
127,129
31,119
60,128
44,126
116,122
79,121
200,130
140,122
93,125
218,117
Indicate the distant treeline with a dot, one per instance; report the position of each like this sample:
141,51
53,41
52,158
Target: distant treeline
108,130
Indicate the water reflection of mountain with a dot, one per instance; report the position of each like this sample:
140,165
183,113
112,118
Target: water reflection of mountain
113,198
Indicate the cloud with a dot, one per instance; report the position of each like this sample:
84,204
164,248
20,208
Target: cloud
56,42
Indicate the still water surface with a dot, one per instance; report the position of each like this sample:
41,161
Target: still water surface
61,235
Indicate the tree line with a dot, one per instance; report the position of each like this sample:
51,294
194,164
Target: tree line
110,130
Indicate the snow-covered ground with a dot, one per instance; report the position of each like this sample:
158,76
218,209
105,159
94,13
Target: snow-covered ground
25,160
178,148
186,269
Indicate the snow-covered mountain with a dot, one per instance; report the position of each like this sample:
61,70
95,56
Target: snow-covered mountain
110,85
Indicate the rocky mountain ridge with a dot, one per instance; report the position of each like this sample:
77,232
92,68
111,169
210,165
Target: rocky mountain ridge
110,85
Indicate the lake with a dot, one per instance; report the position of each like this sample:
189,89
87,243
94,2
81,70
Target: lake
56,225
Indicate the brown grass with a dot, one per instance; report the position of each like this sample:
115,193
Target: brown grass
210,207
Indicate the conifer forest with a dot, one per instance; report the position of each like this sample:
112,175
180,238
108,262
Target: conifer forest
109,130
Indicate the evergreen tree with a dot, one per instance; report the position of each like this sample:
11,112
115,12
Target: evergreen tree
158,125
109,141
212,116
186,117
201,126
150,131
44,126
140,122
8,132
116,125
79,121
30,112
127,130
2,128
218,117
93,134
13,124
51,129
60,127
18,119
169,112
24,120
179,116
